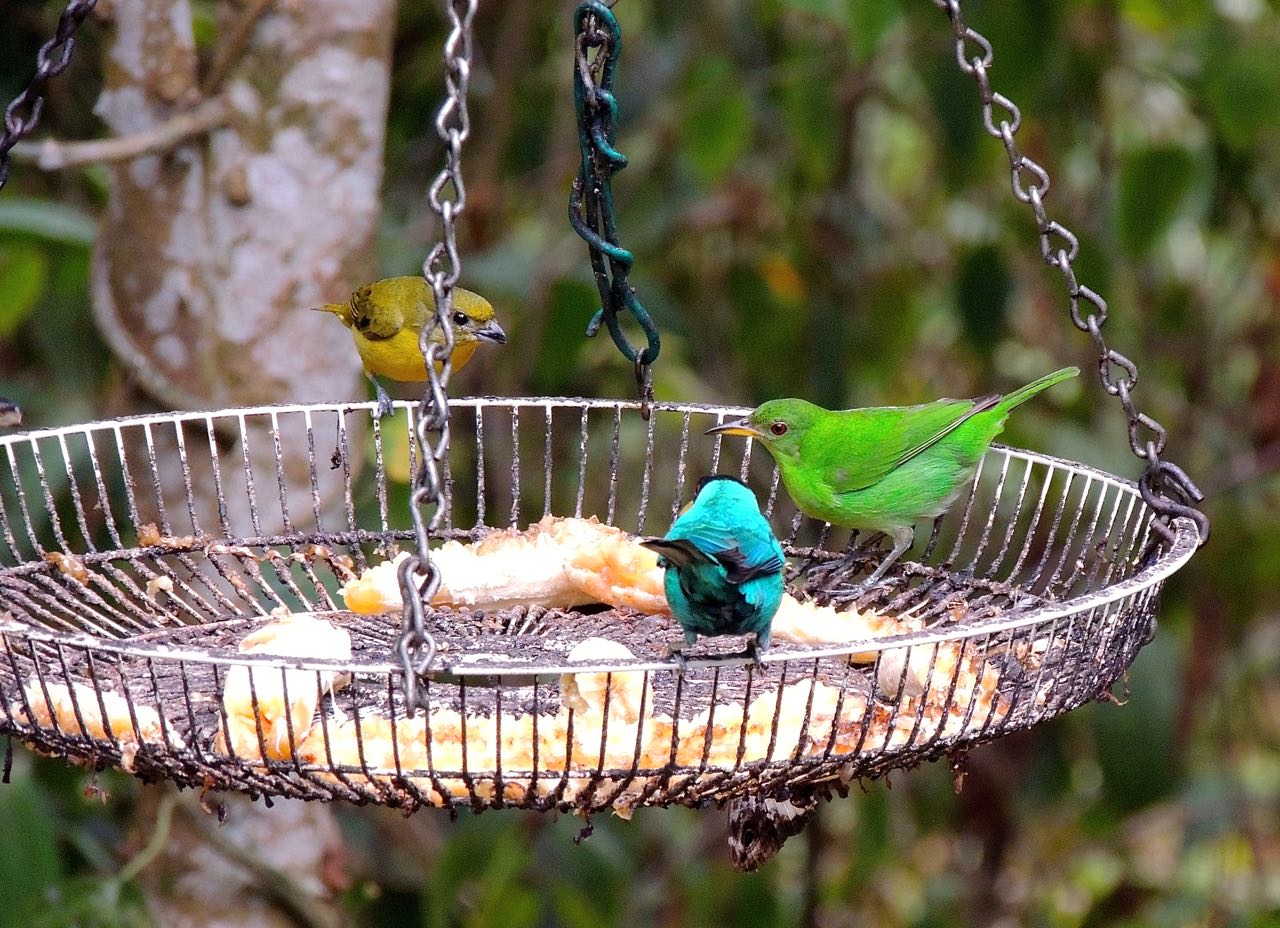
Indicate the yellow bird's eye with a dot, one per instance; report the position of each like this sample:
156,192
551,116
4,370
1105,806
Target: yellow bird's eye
778,428
460,318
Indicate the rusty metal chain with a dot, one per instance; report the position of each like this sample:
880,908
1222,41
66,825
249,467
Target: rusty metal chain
23,115
1165,487
428,500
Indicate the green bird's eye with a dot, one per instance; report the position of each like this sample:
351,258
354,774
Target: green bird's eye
778,428
460,318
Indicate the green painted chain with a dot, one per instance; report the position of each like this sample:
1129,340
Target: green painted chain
591,198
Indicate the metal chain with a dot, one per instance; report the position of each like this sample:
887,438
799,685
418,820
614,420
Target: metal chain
591,197
442,268
23,115
1165,487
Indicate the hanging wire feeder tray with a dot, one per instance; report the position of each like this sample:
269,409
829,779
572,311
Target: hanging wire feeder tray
136,553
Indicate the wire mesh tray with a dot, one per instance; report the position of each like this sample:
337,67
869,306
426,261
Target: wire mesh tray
135,554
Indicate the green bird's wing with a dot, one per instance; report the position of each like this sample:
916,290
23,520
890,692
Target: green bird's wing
857,448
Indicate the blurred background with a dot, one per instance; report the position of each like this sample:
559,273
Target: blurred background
815,210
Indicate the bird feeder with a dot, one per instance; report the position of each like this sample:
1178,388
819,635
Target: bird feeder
154,569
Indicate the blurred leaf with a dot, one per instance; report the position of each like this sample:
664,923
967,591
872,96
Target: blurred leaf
57,222
869,22
982,292
1242,90
717,119
574,909
23,272
1135,741
836,11
569,307
1153,186
29,865
809,104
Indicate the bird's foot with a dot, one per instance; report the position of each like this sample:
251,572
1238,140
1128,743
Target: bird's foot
856,591
677,654
756,651
386,405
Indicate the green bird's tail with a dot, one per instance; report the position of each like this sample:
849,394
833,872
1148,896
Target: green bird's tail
1012,400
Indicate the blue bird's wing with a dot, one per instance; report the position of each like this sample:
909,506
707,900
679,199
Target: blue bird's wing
743,553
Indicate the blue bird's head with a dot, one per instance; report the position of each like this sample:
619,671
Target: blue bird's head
723,489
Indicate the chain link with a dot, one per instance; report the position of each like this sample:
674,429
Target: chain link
591,197
23,115
428,500
1165,487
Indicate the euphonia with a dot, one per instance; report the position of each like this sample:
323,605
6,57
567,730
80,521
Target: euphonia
386,317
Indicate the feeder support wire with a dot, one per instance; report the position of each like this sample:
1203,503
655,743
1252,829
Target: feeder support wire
1165,487
442,268
23,115
591,196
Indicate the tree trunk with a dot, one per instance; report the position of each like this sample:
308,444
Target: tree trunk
207,260
210,254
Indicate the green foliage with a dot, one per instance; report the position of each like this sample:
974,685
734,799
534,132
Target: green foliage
22,278
1154,183
29,864
817,211
716,123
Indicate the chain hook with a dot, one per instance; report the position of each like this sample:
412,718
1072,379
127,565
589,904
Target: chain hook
644,385
447,197
591,212
1161,481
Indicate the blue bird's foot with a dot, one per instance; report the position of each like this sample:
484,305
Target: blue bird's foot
755,650
677,654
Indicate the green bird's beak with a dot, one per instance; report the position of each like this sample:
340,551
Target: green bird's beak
492,332
741,426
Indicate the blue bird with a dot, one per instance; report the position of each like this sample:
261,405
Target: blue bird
723,564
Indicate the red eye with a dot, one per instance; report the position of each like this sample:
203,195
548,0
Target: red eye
778,428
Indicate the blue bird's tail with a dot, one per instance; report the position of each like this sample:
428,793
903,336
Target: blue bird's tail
679,552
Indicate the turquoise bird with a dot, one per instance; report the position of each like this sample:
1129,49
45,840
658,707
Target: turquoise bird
723,564
883,468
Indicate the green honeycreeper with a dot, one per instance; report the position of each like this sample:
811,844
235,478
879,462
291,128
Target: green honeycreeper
882,468
723,565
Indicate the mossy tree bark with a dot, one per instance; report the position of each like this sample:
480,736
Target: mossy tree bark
211,253
208,258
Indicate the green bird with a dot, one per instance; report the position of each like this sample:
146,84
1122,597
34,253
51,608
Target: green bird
883,468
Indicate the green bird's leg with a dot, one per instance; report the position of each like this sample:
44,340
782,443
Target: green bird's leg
385,403
902,537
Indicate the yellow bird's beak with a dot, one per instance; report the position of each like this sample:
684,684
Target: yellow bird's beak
741,426
492,332
341,310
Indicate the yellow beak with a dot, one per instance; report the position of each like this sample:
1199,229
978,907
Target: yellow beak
741,426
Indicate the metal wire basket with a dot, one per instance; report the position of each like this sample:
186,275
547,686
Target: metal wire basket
136,553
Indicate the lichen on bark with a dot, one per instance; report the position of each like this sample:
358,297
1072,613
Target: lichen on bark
210,254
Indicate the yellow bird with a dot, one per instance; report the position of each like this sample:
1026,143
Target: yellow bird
385,318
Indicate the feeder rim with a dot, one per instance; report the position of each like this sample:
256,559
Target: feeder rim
546,402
